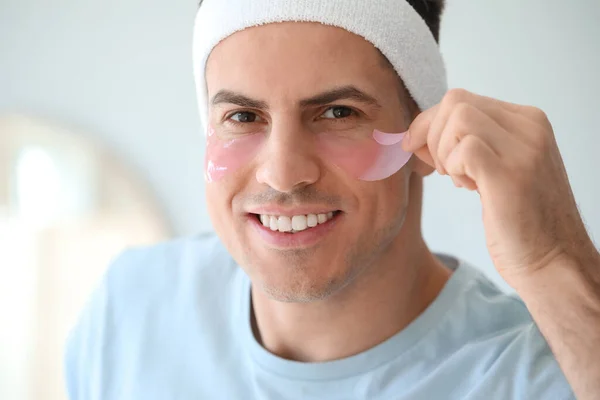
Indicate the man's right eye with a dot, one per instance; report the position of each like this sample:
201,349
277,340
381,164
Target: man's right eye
244,117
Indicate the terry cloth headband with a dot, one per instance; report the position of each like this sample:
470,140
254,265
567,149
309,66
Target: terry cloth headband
392,26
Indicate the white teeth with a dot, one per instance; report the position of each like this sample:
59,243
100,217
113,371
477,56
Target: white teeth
284,224
265,220
273,223
297,223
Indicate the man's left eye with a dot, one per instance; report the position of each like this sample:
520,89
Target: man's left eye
245,117
338,112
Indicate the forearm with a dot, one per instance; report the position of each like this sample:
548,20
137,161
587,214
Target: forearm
564,300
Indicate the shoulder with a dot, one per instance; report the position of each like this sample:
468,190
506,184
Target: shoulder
158,273
161,268
144,293
174,256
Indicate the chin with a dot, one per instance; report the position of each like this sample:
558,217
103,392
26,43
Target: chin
300,293
301,283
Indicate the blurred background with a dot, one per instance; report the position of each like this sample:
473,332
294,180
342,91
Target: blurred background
100,144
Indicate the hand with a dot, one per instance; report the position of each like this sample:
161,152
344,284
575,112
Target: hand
508,154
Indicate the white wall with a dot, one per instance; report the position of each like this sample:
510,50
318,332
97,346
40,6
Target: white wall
120,71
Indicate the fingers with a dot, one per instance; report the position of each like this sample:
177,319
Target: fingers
436,132
514,118
464,121
473,161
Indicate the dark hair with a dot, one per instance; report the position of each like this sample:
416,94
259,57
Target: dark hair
430,10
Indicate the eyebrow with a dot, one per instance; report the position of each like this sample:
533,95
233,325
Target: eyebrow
342,93
229,97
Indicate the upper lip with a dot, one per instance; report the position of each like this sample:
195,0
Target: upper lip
290,212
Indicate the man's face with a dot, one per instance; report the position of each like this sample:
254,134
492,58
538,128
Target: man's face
285,69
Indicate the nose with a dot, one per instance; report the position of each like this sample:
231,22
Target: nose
289,161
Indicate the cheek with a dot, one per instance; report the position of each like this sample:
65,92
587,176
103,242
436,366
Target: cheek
224,157
215,204
384,205
353,156
369,159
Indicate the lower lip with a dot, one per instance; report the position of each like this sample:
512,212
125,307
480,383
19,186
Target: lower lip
298,240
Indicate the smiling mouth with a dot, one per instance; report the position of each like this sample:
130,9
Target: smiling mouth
296,223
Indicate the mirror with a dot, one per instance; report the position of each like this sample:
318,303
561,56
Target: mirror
67,208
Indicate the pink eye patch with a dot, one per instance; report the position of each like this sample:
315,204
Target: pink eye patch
225,156
368,159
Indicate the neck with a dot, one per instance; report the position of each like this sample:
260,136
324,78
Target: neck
374,307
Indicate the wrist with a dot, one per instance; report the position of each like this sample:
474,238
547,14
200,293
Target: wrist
565,280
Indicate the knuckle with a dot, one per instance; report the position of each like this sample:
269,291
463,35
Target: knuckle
454,96
460,119
463,112
471,145
537,115
542,138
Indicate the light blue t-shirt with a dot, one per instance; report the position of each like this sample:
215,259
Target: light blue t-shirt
172,322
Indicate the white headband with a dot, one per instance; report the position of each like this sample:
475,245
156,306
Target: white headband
392,26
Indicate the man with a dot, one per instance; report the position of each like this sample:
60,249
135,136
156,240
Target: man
318,284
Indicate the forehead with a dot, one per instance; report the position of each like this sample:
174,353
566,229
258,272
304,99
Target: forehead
295,59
